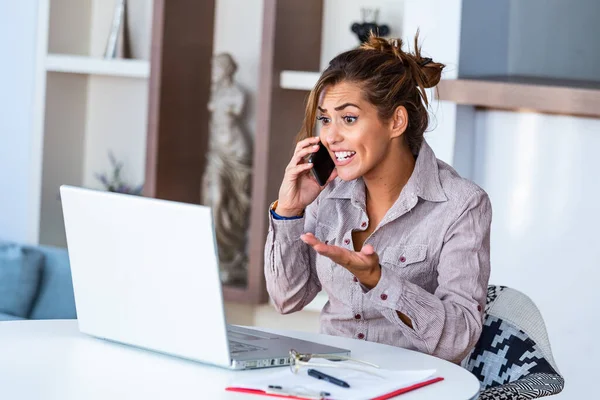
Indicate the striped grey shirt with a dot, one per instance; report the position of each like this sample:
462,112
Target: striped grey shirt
434,250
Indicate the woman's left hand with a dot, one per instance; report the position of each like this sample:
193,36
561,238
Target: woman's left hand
363,264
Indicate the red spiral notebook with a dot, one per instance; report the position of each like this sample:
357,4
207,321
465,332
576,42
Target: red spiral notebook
382,397
381,384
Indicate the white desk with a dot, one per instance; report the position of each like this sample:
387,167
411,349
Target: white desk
52,360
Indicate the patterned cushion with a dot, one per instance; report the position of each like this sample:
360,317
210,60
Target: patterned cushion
504,354
507,362
531,387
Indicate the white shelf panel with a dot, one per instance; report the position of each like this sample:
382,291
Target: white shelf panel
298,80
73,64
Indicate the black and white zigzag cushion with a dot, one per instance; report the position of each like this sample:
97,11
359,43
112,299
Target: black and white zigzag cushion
508,363
505,354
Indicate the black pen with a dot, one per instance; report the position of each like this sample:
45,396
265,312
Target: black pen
277,389
319,375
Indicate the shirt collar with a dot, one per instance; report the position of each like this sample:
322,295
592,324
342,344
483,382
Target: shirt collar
424,181
426,176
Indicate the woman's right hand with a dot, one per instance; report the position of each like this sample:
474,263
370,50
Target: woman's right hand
299,188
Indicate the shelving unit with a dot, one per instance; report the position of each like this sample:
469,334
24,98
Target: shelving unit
88,106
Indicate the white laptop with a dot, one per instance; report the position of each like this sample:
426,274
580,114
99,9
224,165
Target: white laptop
145,273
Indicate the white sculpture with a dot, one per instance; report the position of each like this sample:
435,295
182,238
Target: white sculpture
227,177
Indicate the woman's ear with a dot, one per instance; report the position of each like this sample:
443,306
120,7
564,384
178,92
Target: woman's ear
399,122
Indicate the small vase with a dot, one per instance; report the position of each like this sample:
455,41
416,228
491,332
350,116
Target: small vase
369,24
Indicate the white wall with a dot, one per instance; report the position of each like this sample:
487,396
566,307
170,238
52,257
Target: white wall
339,15
439,25
541,174
238,31
18,20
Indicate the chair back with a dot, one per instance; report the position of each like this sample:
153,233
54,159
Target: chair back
513,354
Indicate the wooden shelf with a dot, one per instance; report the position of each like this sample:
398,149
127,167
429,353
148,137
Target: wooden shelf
546,95
74,64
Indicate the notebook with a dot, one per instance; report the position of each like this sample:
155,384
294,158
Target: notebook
379,384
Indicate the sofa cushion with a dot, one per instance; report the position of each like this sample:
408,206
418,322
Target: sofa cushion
55,299
8,317
20,271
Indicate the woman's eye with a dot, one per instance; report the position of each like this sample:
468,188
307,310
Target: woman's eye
349,119
323,120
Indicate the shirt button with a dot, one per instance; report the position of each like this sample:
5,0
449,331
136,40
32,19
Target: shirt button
357,316
363,225
360,336
355,279
346,241
383,296
402,259
478,308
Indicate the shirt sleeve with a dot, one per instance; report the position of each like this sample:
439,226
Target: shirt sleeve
290,270
447,323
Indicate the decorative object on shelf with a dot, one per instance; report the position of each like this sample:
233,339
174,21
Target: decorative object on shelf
113,182
117,45
369,24
226,182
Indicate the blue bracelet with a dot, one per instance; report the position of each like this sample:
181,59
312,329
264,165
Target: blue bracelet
280,217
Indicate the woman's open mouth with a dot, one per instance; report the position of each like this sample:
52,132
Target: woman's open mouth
343,157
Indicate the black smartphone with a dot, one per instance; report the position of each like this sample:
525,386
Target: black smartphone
323,165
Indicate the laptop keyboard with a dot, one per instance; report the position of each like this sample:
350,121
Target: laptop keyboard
238,347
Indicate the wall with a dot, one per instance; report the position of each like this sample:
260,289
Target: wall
18,19
439,25
238,31
540,173
484,23
554,38
339,15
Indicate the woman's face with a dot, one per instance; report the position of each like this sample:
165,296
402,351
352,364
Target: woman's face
357,140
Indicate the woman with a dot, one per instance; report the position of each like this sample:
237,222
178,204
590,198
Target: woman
398,240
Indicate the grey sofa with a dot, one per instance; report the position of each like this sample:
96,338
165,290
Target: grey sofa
41,290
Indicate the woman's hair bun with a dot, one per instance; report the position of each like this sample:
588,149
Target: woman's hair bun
426,72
